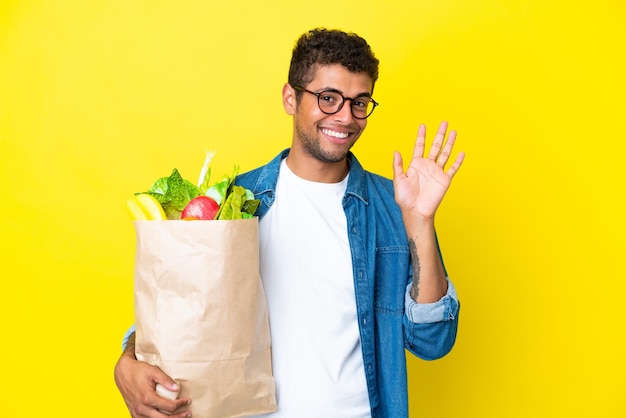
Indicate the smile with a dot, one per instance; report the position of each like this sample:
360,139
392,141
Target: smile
335,134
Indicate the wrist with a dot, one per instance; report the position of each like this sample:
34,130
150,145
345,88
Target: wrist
128,355
417,225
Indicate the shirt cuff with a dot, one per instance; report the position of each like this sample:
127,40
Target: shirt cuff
127,336
445,309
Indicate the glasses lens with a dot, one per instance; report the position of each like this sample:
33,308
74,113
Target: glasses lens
362,107
330,101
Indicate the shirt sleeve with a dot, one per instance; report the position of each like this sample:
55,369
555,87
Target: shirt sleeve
445,309
127,336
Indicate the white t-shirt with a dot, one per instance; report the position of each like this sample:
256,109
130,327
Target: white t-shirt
306,268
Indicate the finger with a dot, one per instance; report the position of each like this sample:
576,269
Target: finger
438,141
420,142
456,165
151,410
185,414
167,391
398,168
444,155
165,406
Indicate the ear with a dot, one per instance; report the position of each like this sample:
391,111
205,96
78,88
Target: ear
289,99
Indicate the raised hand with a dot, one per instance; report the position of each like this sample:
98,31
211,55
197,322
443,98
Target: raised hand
420,189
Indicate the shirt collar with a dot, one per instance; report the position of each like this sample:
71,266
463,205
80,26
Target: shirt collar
266,182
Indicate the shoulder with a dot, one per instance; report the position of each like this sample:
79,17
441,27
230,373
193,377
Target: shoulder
249,179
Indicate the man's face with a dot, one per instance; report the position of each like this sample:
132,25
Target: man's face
328,138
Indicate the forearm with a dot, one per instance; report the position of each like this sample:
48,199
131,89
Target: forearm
429,279
127,354
129,349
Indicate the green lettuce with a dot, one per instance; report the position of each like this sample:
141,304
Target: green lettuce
235,201
220,190
173,193
238,205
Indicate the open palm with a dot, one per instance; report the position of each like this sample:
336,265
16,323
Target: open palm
420,189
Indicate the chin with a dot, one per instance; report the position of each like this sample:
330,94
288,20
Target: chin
332,157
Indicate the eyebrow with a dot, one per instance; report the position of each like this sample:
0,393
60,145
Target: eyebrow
323,89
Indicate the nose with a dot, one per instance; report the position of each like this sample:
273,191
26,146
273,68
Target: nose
344,115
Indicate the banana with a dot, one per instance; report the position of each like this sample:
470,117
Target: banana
145,207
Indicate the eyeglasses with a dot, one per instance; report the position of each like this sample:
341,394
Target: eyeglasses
331,102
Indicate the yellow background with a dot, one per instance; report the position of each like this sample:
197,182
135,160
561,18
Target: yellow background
99,98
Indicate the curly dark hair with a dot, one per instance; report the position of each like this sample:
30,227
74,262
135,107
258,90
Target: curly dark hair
326,47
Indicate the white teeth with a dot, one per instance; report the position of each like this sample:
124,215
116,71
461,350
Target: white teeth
340,135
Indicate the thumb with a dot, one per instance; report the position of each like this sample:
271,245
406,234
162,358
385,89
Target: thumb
162,379
166,393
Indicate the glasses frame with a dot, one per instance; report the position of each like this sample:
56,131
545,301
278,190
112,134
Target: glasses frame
343,101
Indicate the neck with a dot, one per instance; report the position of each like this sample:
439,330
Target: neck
313,169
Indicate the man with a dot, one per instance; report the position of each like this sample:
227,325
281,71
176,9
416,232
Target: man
349,260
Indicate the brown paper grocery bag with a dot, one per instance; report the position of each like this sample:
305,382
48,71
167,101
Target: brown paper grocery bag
201,314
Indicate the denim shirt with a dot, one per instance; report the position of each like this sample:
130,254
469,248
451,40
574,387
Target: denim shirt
389,320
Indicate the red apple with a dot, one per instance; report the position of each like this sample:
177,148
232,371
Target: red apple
201,207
